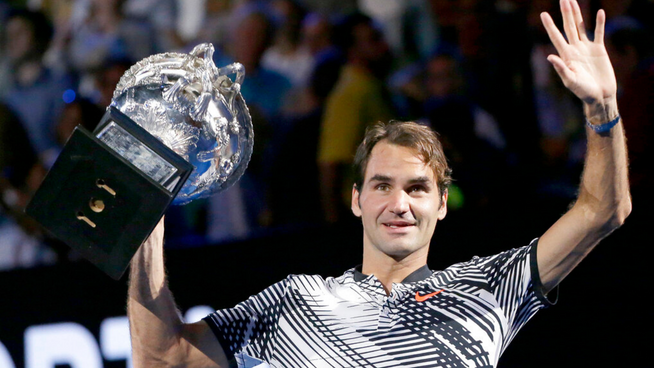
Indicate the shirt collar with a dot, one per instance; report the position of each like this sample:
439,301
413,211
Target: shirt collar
415,276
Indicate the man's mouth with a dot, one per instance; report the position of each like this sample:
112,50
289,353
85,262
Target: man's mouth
398,225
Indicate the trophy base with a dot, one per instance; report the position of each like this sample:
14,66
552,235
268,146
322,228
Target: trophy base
98,203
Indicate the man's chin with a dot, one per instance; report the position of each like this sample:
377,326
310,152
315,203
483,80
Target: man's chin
400,251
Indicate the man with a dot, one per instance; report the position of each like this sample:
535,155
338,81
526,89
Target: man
394,311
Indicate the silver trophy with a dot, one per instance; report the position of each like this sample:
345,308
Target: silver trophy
177,130
195,109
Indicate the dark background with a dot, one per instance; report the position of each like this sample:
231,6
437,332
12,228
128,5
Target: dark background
602,318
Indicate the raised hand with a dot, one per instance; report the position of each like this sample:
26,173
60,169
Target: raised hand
604,201
583,64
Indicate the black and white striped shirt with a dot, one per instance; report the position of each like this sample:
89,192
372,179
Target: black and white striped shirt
464,316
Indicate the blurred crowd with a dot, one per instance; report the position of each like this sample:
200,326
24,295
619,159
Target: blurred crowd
317,73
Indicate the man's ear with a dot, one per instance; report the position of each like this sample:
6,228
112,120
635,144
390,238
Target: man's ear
356,206
442,211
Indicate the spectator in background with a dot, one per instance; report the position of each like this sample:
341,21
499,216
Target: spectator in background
5,8
107,79
215,25
297,158
296,162
358,99
251,35
97,36
328,58
632,53
317,34
32,91
159,18
21,242
408,26
265,92
498,75
471,137
287,55
102,33
80,112
333,7
562,140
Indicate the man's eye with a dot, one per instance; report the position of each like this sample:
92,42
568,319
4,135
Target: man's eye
383,187
416,189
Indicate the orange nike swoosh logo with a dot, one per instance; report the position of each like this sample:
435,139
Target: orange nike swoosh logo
422,298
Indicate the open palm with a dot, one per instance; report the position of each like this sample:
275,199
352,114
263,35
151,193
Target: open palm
582,64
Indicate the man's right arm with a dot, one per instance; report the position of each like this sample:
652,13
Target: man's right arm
159,336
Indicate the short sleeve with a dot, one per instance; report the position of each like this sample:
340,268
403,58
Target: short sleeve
251,324
514,280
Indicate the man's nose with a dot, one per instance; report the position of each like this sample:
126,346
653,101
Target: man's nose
399,202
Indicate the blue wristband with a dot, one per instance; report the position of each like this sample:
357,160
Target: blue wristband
603,128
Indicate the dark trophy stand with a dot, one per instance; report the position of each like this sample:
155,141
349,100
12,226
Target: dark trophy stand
99,201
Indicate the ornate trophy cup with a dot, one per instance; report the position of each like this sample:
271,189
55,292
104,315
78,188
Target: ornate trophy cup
177,130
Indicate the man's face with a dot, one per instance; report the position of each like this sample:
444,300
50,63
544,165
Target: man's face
399,202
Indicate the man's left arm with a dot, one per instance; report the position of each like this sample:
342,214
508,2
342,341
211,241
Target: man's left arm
603,201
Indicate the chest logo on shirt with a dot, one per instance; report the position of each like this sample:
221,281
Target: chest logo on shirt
422,298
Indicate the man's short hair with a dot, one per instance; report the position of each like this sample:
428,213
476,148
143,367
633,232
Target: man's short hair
406,134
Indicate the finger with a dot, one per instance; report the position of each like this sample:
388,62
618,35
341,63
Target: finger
156,236
569,25
555,36
579,21
159,229
600,22
567,76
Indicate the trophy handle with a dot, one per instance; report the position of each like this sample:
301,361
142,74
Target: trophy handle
234,68
228,88
231,91
205,51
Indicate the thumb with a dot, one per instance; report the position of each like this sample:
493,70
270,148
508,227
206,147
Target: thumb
567,76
